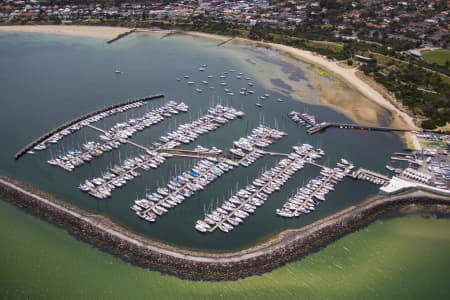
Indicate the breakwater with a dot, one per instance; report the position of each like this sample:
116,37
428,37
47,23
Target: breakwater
122,35
80,119
195,265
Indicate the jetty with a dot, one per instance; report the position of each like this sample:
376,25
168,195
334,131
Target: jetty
224,42
244,202
313,126
308,197
371,176
324,125
80,119
120,36
172,32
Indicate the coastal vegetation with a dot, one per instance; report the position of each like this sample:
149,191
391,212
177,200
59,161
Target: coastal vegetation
439,56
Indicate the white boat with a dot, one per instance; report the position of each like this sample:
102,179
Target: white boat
258,104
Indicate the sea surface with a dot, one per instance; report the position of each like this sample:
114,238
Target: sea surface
46,80
401,258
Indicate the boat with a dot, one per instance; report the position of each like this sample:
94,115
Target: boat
198,90
279,100
258,104
118,72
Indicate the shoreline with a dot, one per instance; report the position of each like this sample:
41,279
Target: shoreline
349,75
287,246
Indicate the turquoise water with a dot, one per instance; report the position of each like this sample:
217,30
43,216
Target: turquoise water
46,80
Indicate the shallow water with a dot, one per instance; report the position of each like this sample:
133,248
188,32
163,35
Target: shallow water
46,80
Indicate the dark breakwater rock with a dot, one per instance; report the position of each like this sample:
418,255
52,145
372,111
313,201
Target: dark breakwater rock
288,246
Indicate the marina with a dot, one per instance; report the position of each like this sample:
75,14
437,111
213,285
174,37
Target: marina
119,134
308,197
176,156
58,133
245,201
118,176
181,187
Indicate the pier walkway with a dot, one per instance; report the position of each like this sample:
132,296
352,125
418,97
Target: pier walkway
324,125
313,126
188,153
68,124
371,176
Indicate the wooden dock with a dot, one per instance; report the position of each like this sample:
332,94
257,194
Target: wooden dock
45,136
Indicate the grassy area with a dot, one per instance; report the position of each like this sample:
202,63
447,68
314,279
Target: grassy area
431,144
439,56
335,47
324,73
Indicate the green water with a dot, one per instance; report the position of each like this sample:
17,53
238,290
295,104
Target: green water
402,258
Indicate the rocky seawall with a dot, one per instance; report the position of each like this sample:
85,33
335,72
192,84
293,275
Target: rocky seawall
288,246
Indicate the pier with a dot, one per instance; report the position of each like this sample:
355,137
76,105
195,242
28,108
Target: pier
301,208
120,36
172,32
66,125
371,176
189,153
249,200
324,125
178,195
101,187
314,127
224,42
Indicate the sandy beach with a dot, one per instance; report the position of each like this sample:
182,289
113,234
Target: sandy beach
349,75
103,32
